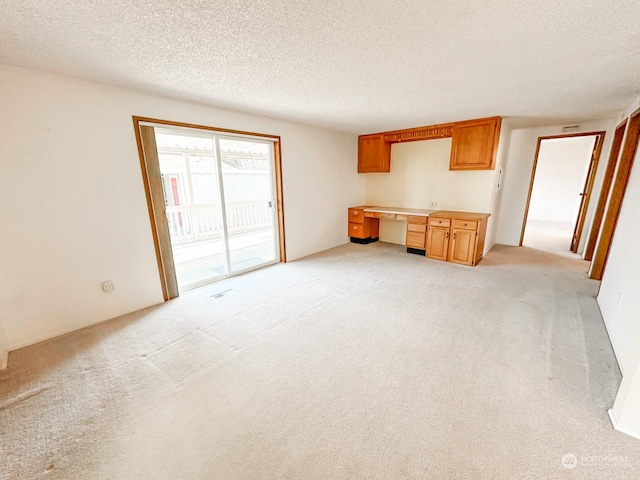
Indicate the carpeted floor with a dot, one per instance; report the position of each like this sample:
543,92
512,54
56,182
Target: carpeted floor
550,237
362,362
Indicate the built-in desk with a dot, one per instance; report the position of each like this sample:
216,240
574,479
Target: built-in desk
440,234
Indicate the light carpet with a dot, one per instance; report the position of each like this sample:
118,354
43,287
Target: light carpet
362,362
550,237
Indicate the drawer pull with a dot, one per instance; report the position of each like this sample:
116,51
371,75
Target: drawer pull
465,224
355,228
355,212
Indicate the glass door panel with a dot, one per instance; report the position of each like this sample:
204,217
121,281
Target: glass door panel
249,202
192,198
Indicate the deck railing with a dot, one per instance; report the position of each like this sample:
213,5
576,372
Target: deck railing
197,223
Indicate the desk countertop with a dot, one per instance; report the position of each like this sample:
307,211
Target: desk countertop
401,211
460,215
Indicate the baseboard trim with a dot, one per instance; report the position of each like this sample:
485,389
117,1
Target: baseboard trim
618,427
4,359
613,345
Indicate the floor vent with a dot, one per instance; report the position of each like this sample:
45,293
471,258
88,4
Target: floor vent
221,294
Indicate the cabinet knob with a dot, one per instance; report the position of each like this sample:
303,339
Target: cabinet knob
355,228
355,212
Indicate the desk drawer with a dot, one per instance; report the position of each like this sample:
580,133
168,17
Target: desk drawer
356,215
465,224
414,227
440,222
416,219
416,240
383,216
357,230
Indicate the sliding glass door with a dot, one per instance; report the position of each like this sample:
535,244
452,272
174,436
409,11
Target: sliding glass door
219,194
249,202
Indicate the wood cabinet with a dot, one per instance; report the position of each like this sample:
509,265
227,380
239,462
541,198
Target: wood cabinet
442,235
374,154
416,238
462,246
362,229
474,144
457,236
438,242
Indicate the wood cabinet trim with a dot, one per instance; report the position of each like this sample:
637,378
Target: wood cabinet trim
428,132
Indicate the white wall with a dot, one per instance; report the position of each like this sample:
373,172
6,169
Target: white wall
498,185
72,203
620,303
517,176
560,177
619,297
419,176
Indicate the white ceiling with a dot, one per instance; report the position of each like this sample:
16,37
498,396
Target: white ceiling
354,65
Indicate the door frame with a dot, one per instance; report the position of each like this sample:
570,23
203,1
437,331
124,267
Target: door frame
150,169
607,183
587,190
616,198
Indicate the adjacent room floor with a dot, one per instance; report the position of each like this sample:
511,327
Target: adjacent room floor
362,362
550,237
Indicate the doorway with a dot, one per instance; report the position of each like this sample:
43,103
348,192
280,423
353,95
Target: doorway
607,183
215,201
561,183
616,196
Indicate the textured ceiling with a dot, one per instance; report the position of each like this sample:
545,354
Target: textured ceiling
354,65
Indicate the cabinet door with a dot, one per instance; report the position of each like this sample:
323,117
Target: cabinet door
374,154
463,246
437,242
474,144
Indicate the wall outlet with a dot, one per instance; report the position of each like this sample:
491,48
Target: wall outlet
434,204
108,286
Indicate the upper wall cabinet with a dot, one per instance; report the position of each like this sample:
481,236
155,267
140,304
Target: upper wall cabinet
473,147
474,144
374,154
